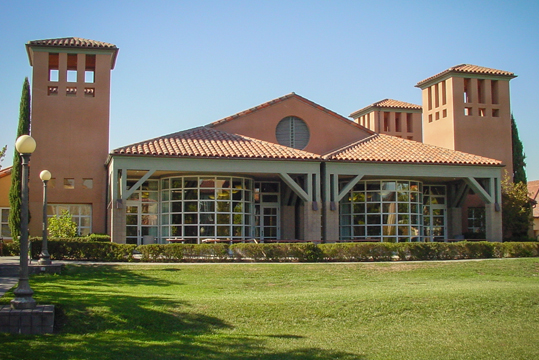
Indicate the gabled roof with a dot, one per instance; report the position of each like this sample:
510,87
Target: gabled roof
283,98
71,43
205,142
533,189
467,69
5,172
381,148
386,104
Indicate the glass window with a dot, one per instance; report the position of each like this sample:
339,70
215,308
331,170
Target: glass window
5,232
434,212
476,220
81,215
206,207
386,209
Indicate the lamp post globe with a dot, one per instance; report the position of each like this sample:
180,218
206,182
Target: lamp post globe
25,145
45,175
44,257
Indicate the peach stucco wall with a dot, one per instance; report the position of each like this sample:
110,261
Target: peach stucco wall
261,124
72,134
447,125
5,184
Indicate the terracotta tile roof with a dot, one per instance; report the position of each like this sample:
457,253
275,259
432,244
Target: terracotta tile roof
533,189
468,69
73,42
390,149
386,104
210,143
5,172
283,98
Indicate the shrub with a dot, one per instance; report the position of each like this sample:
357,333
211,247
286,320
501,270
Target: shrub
83,249
357,251
306,252
161,253
526,249
62,226
184,252
77,249
98,237
11,248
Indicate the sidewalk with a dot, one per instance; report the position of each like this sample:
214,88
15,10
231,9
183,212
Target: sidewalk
9,273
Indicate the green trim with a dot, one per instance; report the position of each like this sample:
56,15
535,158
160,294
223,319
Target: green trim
294,186
128,193
348,187
479,190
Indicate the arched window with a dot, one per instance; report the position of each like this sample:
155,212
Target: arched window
292,132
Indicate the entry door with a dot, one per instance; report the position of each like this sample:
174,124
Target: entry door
132,223
267,224
435,223
141,223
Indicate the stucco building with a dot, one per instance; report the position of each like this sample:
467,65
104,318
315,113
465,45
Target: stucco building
533,189
286,169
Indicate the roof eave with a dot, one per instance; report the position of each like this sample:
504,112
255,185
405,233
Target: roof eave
453,73
52,48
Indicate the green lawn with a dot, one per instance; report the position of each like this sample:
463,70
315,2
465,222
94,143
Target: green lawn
423,310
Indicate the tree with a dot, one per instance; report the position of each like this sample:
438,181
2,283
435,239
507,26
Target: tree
62,226
519,165
516,210
16,176
2,154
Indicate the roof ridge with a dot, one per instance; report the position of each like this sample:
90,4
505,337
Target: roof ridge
208,142
285,97
72,41
389,103
469,69
399,150
342,148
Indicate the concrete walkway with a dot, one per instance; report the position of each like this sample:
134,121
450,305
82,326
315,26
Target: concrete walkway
9,273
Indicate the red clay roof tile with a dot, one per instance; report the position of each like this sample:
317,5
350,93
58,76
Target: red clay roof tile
468,69
381,148
210,143
386,103
72,42
5,172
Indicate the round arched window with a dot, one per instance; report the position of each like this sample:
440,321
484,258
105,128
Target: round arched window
292,132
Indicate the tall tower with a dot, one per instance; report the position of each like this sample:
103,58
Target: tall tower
70,123
392,117
467,108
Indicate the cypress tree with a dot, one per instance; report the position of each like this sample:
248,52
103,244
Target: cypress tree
16,176
2,154
519,165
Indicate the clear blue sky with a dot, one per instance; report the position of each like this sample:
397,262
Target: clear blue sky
187,63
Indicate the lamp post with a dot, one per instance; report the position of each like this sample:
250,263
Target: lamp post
44,257
25,145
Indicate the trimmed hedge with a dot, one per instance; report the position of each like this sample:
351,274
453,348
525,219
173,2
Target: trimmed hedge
10,249
184,252
307,252
426,251
83,249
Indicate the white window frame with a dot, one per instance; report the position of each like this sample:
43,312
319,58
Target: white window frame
77,218
2,222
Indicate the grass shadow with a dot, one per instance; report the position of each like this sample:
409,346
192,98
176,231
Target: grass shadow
96,319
